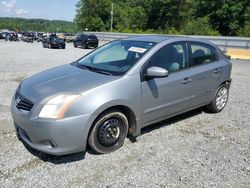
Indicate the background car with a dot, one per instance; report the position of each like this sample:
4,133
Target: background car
28,37
53,42
2,36
86,41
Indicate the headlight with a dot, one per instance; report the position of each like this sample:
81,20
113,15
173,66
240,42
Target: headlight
57,106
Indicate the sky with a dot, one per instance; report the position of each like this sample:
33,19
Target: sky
46,9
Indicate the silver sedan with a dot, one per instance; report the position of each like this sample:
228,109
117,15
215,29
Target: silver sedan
118,89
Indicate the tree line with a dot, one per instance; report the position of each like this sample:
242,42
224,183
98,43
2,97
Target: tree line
21,24
190,17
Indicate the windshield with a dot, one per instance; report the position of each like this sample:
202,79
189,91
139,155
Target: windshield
116,57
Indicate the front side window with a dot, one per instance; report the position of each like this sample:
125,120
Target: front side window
116,57
202,54
172,57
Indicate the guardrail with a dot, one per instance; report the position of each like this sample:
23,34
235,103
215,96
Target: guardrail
223,42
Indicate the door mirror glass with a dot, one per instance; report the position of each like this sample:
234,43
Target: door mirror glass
156,72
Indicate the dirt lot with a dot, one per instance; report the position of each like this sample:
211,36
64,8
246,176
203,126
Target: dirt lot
196,149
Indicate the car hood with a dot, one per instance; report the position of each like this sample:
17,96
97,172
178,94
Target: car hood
61,79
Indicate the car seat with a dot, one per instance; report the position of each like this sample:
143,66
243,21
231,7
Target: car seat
167,59
198,57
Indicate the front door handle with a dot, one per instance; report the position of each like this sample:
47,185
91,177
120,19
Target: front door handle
186,80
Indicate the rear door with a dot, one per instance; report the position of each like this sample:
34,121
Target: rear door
206,70
163,97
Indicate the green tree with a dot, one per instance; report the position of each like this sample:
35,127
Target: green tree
199,26
226,16
166,14
93,14
245,31
37,25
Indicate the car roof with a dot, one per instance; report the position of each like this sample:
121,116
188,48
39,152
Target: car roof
149,38
159,39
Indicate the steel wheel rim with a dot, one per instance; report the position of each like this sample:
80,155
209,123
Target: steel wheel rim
221,98
110,132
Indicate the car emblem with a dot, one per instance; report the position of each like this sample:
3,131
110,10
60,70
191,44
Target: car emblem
18,100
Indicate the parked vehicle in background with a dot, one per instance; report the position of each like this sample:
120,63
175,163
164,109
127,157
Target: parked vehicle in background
2,36
11,36
117,90
41,38
86,41
28,37
53,42
69,37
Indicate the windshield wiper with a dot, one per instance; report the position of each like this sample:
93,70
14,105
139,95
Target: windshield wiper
101,71
93,69
83,66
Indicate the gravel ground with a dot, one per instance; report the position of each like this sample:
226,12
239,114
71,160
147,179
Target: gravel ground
196,149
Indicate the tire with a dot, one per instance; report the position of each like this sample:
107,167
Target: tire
108,132
220,99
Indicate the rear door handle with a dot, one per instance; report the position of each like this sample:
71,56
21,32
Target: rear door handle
216,70
186,80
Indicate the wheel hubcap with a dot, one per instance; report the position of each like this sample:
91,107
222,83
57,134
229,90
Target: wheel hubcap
109,132
221,98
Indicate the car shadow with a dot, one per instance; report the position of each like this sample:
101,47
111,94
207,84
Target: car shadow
173,120
81,155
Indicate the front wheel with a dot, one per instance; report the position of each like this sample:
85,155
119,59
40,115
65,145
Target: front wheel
109,132
220,99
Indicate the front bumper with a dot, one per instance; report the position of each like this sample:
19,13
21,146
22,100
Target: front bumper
58,45
55,137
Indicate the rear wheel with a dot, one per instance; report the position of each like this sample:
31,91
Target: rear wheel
109,132
220,99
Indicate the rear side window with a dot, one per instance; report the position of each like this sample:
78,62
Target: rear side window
202,54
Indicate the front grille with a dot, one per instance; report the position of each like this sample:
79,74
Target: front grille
22,103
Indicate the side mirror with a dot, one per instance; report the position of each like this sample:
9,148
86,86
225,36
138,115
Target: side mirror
156,72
